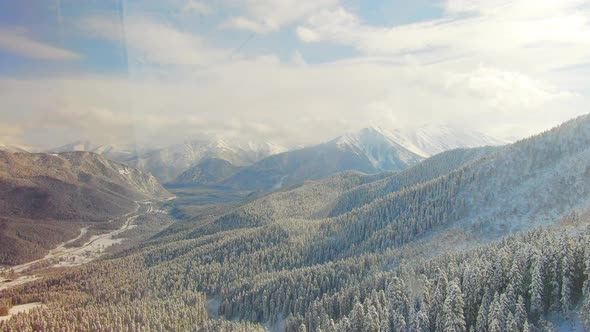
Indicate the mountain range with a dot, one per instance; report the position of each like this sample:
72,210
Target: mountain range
369,150
168,163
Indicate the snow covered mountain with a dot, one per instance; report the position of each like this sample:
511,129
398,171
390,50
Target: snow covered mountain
168,163
383,152
207,171
430,140
113,152
368,151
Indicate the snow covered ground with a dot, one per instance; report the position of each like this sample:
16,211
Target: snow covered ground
63,256
9,283
21,308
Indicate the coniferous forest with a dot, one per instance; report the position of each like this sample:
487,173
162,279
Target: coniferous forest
483,239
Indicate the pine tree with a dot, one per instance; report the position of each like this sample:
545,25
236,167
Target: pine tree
437,302
453,317
520,314
567,277
536,287
496,315
585,312
357,318
420,322
482,314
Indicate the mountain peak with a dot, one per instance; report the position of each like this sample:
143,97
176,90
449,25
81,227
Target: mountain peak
375,145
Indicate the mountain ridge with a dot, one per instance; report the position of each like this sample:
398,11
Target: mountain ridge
168,163
365,151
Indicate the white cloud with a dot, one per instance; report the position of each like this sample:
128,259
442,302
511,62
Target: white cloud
17,42
307,35
524,34
486,67
284,102
243,23
150,42
264,16
503,90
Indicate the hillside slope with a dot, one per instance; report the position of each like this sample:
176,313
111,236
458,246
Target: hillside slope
208,171
40,194
527,184
431,168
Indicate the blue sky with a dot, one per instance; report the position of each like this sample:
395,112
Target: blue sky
57,24
119,71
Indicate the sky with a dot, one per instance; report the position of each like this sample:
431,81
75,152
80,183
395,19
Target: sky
287,71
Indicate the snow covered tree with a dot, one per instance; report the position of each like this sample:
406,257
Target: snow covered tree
453,318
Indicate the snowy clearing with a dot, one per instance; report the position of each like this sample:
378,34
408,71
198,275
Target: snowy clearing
21,308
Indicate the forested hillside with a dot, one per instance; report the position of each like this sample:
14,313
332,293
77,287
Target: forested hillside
431,168
453,244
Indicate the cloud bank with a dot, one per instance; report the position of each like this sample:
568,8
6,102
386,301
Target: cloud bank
504,68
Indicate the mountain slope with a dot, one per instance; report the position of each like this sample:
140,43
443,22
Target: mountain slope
367,151
430,140
208,171
490,192
431,168
49,191
168,163
346,191
531,183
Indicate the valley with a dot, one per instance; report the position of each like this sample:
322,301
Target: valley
68,255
